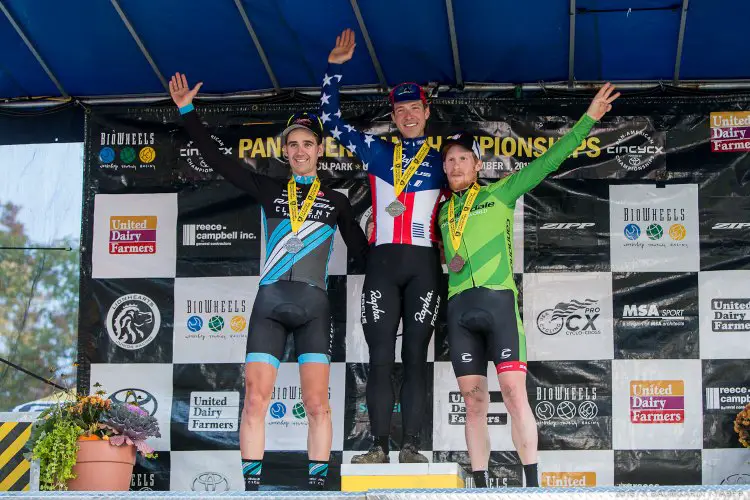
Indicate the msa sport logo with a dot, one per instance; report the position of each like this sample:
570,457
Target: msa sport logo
567,225
731,225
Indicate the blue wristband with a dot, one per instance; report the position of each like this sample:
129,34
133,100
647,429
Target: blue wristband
187,109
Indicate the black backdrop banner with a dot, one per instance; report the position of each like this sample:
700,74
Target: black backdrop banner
644,222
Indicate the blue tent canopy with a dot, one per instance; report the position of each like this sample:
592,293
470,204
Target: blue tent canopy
129,47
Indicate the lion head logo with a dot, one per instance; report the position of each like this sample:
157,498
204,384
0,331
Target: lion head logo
133,321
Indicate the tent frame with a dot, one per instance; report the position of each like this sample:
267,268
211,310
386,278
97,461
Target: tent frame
382,87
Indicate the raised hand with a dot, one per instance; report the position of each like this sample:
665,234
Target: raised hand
602,102
344,48
181,93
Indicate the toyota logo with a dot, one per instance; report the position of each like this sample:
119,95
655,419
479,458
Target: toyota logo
138,397
210,481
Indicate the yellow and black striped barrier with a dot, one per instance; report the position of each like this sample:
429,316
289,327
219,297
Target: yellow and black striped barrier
15,471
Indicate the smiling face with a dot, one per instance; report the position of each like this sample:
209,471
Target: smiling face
303,150
461,167
410,118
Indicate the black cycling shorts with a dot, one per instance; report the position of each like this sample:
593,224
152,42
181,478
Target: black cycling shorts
484,325
287,307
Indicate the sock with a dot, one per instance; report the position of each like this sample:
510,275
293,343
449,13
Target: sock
411,439
481,478
317,474
382,441
529,470
251,470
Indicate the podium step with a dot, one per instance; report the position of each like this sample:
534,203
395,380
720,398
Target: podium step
363,477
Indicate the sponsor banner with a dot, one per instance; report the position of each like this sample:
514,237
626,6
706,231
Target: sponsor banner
212,317
133,319
568,227
214,411
356,345
656,404
572,404
286,419
576,469
725,314
121,156
218,232
568,316
207,402
654,228
147,384
623,149
726,467
207,472
357,435
505,469
449,412
726,392
657,467
151,474
655,315
730,131
133,236
725,232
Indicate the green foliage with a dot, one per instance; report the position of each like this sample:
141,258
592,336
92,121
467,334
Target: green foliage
56,448
38,312
56,431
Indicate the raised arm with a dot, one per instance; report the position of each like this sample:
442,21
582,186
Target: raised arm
231,169
365,146
512,187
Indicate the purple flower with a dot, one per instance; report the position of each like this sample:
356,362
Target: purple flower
137,409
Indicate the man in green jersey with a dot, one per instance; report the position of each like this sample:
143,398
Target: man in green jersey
483,320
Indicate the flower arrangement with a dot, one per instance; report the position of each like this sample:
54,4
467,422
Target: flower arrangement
55,434
742,426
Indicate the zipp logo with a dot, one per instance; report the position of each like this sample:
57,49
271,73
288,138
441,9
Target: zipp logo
466,357
567,225
731,225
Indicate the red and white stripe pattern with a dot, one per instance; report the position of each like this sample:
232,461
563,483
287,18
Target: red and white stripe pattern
416,226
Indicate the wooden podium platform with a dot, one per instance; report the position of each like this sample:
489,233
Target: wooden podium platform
356,477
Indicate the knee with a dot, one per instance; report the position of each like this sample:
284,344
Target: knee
476,404
514,395
316,407
256,403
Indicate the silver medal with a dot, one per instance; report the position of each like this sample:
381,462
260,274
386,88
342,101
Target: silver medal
294,245
395,208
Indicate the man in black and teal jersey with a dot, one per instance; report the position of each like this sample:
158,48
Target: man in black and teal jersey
292,295
483,319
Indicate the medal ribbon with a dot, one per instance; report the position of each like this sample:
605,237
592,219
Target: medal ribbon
401,177
297,216
458,232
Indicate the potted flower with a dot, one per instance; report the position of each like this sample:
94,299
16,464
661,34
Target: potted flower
90,443
742,426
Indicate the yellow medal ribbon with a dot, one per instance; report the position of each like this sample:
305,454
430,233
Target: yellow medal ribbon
401,177
458,232
297,216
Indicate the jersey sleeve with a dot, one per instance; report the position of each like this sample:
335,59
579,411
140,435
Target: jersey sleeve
232,170
512,187
354,237
364,146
